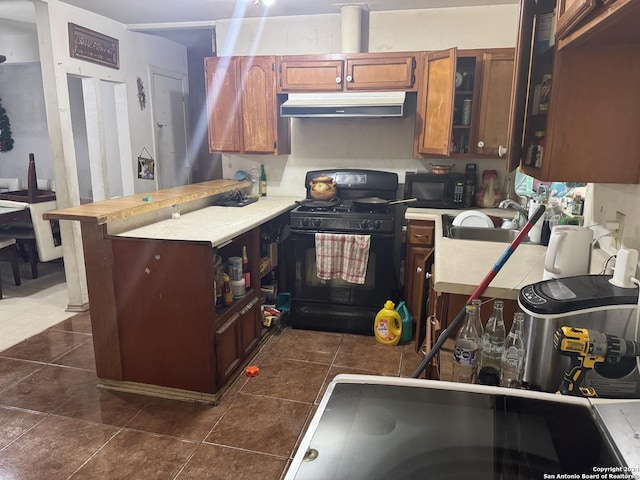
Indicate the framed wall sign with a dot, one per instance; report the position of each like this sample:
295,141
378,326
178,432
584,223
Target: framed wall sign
93,47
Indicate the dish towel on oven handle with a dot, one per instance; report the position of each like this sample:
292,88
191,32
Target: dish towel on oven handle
344,256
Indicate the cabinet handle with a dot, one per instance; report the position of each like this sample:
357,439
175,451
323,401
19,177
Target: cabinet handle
480,144
427,275
249,306
502,151
338,80
419,235
419,269
349,78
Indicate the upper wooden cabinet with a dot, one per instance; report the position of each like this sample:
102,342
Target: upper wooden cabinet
434,115
347,72
578,99
464,103
243,106
495,100
569,13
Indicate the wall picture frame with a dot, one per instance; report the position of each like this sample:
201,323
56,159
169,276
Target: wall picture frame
146,168
92,46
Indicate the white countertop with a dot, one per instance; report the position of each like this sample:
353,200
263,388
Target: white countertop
216,225
461,265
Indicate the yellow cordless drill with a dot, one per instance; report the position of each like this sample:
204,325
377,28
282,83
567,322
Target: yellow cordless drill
587,348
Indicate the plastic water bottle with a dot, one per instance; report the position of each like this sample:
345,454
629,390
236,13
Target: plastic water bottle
512,361
465,353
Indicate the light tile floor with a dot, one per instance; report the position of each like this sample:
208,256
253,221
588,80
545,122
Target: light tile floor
35,305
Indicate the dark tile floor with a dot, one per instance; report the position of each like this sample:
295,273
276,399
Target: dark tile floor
55,423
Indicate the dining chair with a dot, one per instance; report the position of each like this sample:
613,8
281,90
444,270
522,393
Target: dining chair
38,240
9,184
8,251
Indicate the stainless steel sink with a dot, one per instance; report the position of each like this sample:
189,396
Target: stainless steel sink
478,233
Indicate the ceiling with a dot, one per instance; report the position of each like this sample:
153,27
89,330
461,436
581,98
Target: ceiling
17,15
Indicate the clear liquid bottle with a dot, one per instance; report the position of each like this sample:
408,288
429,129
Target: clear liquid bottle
492,344
465,354
478,303
255,181
512,361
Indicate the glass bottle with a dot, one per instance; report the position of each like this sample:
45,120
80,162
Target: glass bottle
227,296
512,361
478,303
219,283
466,111
255,181
492,343
246,268
465,354
263,182
540,143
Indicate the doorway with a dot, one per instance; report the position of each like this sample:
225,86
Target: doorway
100,125
169,116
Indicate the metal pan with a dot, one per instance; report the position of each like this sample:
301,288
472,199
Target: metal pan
311,202
369,201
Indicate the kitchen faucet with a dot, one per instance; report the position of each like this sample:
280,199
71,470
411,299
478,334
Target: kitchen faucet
522,218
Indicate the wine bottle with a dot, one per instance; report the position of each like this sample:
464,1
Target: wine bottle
263,182
246,268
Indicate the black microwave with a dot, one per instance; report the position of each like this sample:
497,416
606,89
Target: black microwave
434,191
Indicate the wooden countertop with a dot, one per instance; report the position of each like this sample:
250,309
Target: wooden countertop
123,207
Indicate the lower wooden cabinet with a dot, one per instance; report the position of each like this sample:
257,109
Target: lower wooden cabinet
418,263
227,348
236,339
168,331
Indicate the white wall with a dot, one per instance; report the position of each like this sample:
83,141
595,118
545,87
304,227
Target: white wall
384,144
23,98
603,201
20,47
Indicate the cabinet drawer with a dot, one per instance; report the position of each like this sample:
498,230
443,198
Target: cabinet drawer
421,234
381,73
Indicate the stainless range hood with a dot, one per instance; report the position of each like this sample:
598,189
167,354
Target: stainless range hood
353,104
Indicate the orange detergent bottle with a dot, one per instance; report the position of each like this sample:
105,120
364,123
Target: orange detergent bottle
388,325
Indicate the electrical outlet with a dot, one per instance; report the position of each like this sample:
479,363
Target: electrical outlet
620,231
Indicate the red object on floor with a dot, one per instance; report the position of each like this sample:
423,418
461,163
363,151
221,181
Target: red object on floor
252,371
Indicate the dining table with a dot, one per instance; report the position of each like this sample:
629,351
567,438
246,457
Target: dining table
13,212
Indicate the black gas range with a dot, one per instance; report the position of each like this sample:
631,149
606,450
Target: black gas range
335,304
342,216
